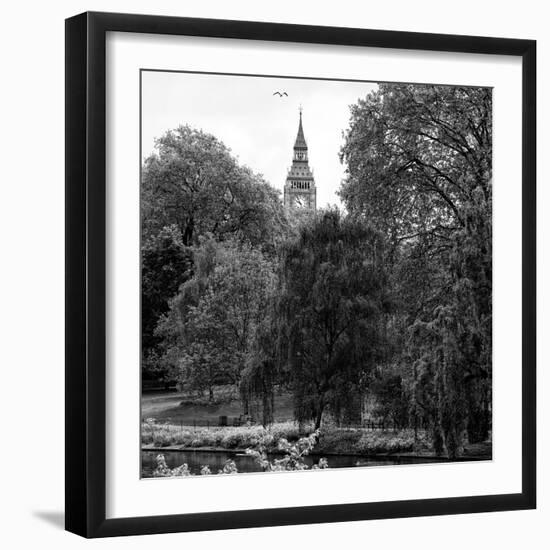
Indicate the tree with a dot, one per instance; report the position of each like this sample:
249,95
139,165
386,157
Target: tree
419,169
165,265
392,399
264,370
332,294
417,156
209,328
193,182
193,187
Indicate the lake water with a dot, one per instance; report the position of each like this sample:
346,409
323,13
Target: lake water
216,460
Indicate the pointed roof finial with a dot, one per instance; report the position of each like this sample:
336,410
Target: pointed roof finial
300,139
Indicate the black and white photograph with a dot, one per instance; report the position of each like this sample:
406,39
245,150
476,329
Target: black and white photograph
274,275
316,273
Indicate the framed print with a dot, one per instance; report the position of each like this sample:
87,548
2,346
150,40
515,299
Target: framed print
300,277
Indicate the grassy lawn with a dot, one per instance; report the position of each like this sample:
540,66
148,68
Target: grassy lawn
178,408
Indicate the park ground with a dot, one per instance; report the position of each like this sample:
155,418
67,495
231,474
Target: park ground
176,421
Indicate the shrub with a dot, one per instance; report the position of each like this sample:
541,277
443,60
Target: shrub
231,441
162,469
293,459
287,430
294,454
353,441
356,441
164,435
390,442
229,467
341,441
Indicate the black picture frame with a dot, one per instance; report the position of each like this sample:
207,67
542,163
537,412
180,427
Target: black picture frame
86,284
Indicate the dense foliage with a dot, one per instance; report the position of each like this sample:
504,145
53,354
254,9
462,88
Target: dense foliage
192,187
193,182
165,265
332,292
419,170
208,331
380,311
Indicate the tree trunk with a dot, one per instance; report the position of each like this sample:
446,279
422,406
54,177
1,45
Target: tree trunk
478,425
478,415
187,232
319,416
438,440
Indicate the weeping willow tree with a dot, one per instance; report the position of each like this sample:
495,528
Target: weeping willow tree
262,374
324,335
454,346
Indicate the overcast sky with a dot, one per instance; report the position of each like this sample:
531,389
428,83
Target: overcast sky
257,126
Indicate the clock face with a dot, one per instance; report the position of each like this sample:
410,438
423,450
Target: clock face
300,201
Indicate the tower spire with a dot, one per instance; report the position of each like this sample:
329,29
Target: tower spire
300,138
300,189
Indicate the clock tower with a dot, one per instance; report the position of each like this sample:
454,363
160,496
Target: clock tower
300,192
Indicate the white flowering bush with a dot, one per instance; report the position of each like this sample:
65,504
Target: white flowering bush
162,469
294,455
293,459
229,468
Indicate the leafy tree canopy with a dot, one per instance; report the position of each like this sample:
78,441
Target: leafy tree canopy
193,182
417,157
332,293
419,169
209,328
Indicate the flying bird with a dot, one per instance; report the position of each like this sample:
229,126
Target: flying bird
280,94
